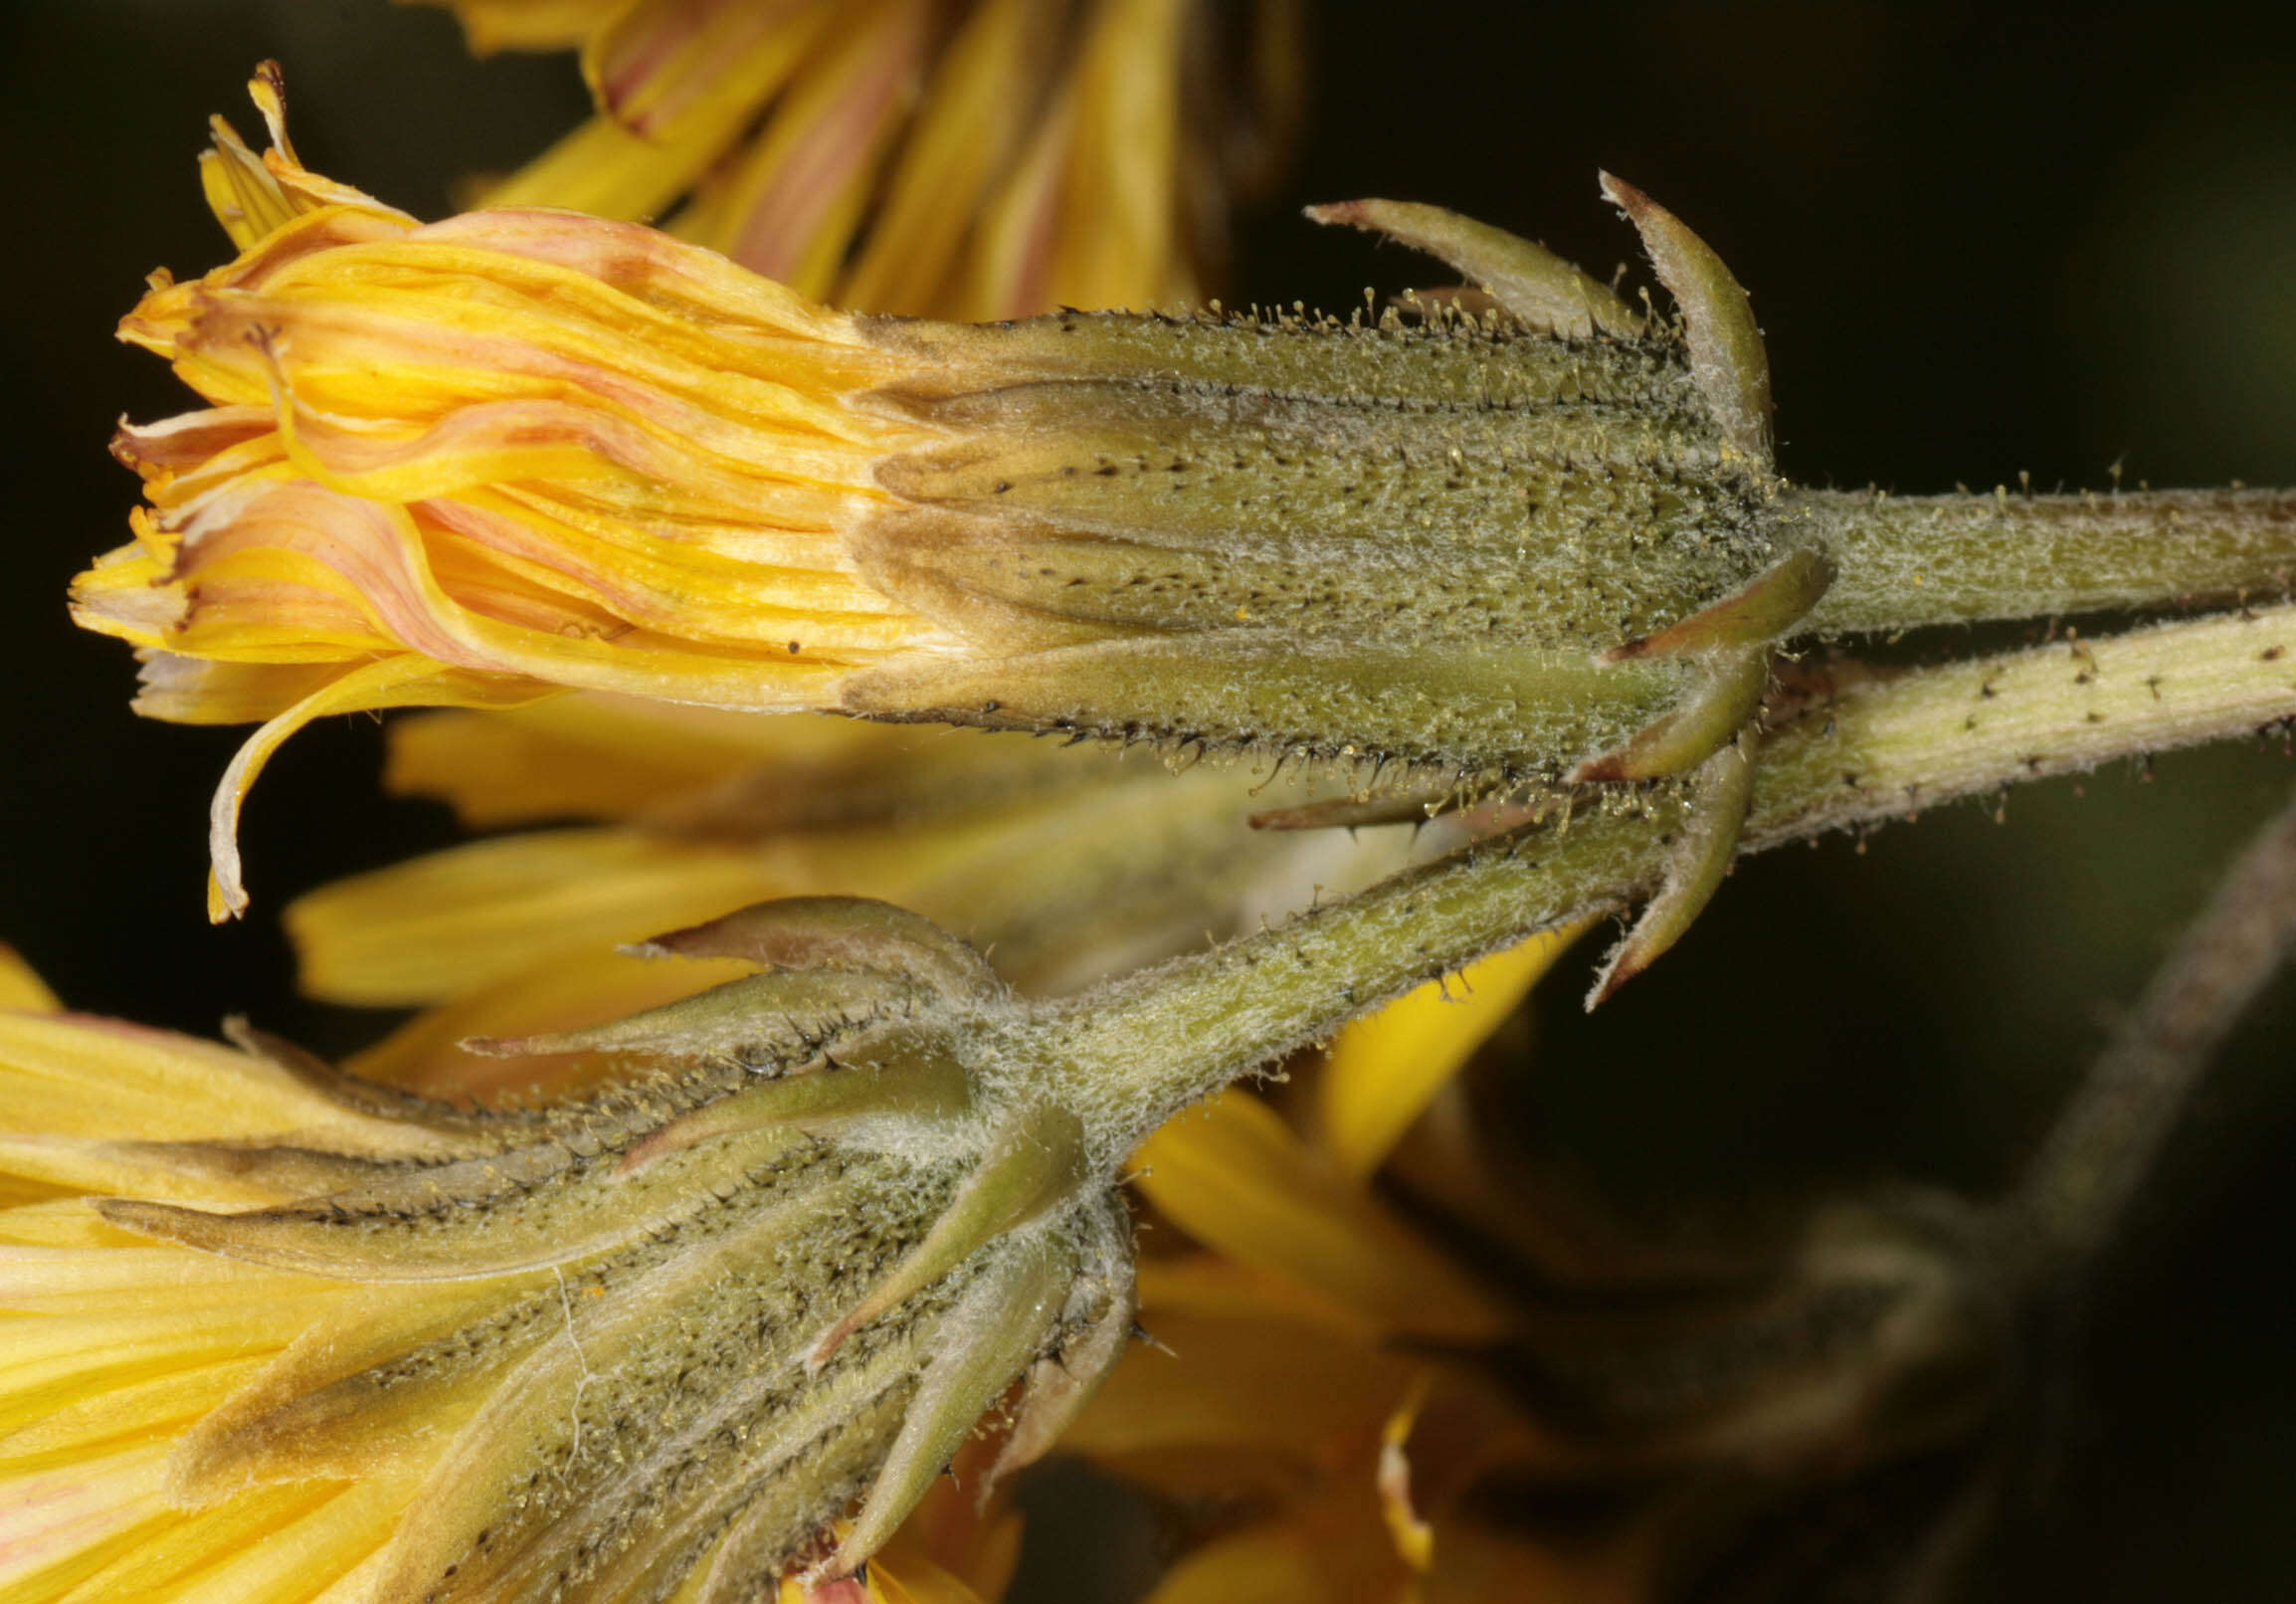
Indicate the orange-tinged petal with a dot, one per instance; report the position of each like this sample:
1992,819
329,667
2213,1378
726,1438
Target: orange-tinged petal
382,684
966,132
611,169
1234,1176
993,159
659,62
1085,214
792,204
1383,1070
473,462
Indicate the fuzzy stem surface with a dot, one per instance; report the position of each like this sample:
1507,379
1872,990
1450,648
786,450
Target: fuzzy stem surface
1906,561
1856,752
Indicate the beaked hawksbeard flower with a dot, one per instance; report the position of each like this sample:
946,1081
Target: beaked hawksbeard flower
963,158
1524,536
271,1335
480,460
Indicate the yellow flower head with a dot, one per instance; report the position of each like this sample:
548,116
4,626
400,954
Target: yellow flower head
268,1334
964,158
473,462
520,451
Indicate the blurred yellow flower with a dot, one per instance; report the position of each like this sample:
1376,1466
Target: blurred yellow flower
1346,1404
973,159
1291,1405
1063,867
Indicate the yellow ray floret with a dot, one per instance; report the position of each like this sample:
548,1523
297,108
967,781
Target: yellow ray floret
962,158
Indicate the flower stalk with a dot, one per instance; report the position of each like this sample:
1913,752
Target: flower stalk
1905,561
1858,754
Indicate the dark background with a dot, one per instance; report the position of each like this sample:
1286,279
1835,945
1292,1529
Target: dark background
1981,239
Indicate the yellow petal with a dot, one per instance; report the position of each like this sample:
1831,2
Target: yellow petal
559,993
1414,1538
917,1580
21,986
1232,1175
1206,1285
107,1081
604,756
493,25
1218,1407
1476,1564
1325,1549
56,1526
381,684
1382,1072
478,914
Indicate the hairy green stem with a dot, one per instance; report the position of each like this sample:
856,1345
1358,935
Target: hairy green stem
1130,1054
1906,561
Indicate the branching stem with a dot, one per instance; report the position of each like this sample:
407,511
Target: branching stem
1130,1054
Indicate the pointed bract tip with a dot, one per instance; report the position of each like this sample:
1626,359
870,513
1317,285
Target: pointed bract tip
1626,197
1625,964
854,933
